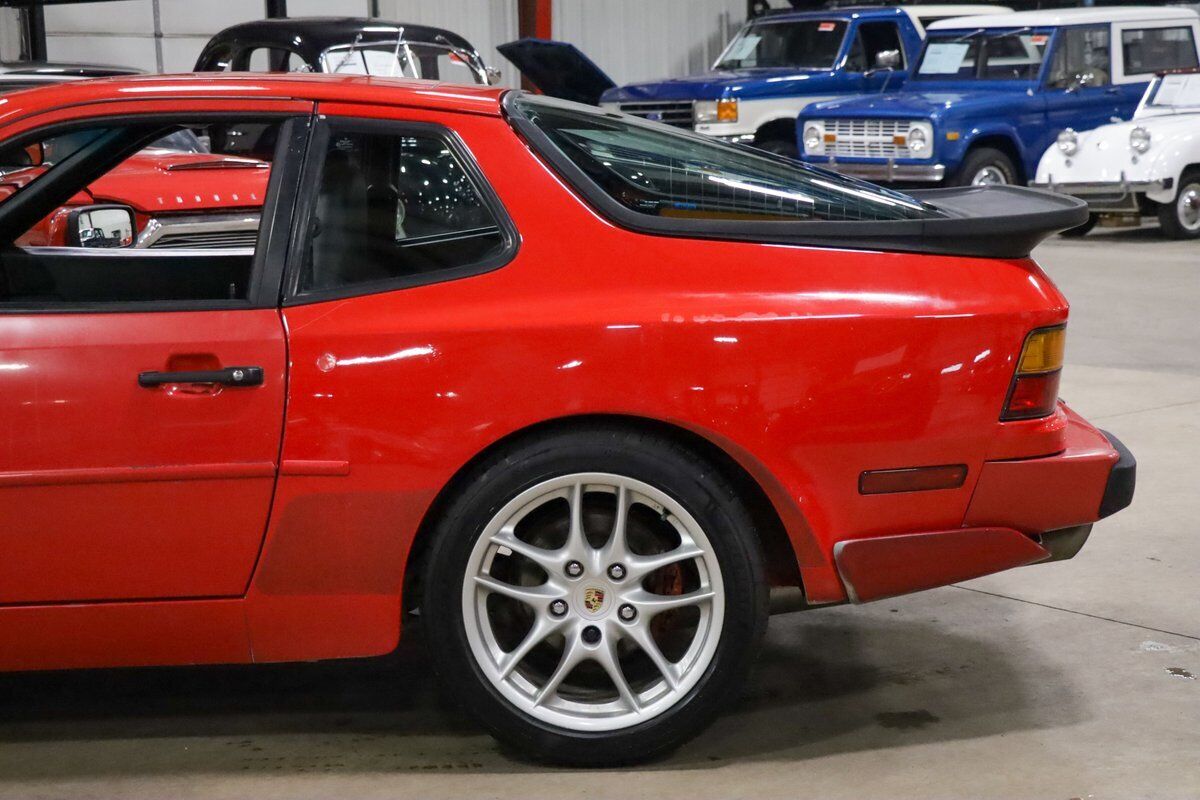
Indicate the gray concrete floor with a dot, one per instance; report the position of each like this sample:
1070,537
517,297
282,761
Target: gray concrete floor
1070,680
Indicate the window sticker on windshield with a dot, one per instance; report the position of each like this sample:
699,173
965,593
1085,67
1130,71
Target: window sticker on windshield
1039,39
826,27
743,48
944,58
1178,90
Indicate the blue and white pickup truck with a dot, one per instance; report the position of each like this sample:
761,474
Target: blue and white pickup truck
772,68
990,94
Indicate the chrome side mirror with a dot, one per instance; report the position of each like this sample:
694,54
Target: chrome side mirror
101,226
887,59
493,75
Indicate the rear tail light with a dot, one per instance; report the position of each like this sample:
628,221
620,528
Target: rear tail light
1034,390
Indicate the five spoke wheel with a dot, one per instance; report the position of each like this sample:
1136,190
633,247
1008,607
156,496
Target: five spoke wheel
593,601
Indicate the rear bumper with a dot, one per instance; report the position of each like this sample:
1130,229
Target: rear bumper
1022,512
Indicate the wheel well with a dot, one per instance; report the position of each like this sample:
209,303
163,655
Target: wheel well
1004,145
778,555
783,129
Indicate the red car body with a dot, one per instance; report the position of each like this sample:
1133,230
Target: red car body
198,524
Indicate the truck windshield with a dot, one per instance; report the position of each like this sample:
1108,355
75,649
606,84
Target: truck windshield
805,44
983,55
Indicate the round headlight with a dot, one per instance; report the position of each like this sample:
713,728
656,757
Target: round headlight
1068,142
1139,139
812,137
917,142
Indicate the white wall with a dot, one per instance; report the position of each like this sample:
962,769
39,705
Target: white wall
123,32
638,40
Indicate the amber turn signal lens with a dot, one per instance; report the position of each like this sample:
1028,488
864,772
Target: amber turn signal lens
1034,391
1043,351
913,479
727,111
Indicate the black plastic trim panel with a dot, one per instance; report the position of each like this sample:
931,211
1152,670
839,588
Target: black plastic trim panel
1118,492
979,221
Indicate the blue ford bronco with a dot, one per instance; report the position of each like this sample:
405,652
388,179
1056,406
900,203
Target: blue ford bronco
990,93
772,68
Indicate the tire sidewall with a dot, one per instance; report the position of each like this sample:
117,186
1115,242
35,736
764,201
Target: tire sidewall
982,157
729,531
1168,216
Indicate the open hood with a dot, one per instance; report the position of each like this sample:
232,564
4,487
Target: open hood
558,69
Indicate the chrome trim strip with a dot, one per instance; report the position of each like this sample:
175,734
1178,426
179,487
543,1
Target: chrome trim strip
890,171
158,227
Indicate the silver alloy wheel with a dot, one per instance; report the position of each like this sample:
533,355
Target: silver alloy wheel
607,619
989,175
1187,207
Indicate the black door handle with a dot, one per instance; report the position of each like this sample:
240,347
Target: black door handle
230,376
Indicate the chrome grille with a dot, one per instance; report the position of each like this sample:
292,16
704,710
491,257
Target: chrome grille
216,231
677,113
867,138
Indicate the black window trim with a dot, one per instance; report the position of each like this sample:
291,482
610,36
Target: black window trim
310,183
270,250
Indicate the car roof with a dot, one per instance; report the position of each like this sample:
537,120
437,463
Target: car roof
316,87
955,10
1067,16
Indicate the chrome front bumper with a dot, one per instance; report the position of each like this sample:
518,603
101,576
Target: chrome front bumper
889,171
1107,196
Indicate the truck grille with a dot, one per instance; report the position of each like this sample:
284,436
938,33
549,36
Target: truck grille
677,113
867,138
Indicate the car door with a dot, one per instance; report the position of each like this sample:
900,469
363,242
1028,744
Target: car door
141,388
1079,90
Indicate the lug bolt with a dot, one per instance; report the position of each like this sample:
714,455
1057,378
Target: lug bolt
627,612
558,607
574,569
616,572
591,634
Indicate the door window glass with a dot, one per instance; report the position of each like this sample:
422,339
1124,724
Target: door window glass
396,208
176,218
872,39
1157,49
1081,58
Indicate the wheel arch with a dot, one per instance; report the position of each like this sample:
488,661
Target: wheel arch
780,556
783,128
1004,142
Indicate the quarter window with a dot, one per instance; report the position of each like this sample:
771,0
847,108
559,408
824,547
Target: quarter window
1156,49
660,172
396,208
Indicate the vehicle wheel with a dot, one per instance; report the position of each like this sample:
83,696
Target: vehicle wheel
780,147
1081,230
985,166
593,598
1181,219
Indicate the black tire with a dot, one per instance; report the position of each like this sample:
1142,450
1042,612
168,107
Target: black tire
1081,230
780,147
1169,213
660,462
980,158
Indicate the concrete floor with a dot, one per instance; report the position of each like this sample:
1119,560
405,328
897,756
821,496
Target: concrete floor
1070,680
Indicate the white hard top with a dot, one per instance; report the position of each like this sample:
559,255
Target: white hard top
1067,16
958,10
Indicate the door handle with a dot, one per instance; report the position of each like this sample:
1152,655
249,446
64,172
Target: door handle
1112,90
230,376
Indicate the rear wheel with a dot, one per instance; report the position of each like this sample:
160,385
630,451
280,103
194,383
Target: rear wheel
1181,219
594,598
985,166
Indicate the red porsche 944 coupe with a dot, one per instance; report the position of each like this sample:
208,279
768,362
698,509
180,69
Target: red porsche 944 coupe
580,392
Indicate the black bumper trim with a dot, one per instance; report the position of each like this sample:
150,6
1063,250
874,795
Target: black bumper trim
1118,493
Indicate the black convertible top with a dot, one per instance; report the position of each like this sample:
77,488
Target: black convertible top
311,36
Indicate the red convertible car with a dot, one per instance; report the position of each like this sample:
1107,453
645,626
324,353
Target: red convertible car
580,392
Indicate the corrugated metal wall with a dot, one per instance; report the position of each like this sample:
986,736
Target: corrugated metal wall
123,32
636,40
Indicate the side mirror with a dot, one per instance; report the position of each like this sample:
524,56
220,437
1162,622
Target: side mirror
493,76
887,59
36,153
101,226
